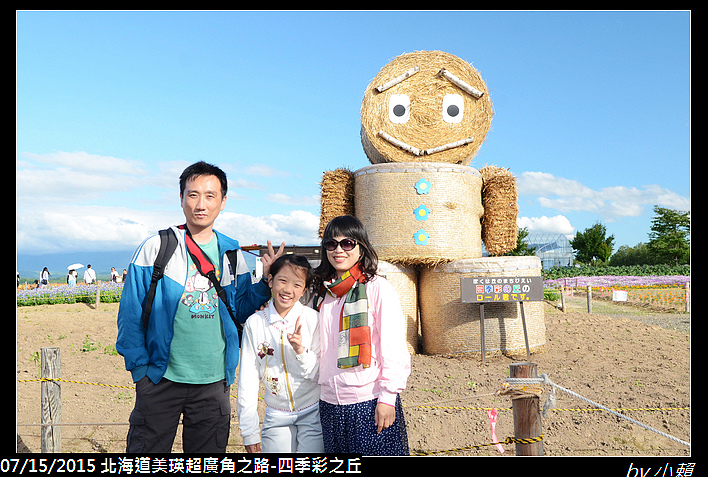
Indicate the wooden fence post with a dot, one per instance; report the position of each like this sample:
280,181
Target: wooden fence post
51,400
98,294
526,412
481,329
562,299
589,290
687,298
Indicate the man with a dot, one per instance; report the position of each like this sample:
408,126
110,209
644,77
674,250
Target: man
89,275
185,361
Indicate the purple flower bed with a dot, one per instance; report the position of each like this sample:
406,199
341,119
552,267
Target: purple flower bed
110,293
621,281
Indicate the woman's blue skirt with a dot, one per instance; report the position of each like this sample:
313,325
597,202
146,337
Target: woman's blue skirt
350,429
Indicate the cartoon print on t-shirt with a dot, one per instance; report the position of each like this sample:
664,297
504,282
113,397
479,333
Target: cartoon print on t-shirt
199,294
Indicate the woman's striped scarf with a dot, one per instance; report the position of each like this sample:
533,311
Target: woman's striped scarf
354,344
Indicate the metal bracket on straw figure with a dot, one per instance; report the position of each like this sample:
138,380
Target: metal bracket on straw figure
501,290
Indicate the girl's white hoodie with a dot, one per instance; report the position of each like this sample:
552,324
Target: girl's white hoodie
290,379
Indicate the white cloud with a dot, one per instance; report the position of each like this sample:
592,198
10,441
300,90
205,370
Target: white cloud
668,198
288,200
89,162
610,203
111,229
67,202
297,228
558,224
65,184
87,228
70,201
243,184
544,183
264,170
73,177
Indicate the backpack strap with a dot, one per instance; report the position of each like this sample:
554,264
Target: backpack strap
206,268
168,244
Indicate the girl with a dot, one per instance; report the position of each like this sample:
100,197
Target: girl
71,278
280,349
364,361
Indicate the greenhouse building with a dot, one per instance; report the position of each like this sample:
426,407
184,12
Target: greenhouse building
554,250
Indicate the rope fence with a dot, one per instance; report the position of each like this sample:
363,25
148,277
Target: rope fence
515,387
544,379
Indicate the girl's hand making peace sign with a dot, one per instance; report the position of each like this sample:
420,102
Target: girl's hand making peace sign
295,338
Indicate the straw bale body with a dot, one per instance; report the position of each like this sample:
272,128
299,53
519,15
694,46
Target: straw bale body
450,326
405,281
426,94
420,213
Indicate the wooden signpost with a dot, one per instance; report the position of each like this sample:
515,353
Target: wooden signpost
501,290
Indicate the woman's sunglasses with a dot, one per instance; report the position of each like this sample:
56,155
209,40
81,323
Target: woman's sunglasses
331,245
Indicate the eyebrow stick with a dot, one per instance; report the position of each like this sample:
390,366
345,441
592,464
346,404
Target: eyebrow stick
397,79
461,84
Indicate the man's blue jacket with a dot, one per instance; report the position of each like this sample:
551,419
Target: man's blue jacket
147,352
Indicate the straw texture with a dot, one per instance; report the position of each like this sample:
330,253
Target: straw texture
405,281
390,202
450,326
499,197
336,196
425,129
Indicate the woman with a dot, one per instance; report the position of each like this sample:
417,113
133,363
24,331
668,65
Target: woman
44,278
364,360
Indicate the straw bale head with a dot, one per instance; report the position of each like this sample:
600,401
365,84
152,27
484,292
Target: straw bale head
425,106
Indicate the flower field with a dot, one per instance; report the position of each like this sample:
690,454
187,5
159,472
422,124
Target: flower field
110,293
663,285
657,289
666,291
621,281
665,297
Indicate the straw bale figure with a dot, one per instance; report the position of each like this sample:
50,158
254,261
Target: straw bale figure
428,112
423,119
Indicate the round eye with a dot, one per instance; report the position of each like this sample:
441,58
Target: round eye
399,108
453,108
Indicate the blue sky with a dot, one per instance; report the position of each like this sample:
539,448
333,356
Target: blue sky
592,115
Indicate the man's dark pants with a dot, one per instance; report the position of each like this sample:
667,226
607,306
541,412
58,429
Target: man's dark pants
153,423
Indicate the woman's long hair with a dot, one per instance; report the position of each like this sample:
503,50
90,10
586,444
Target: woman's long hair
351,227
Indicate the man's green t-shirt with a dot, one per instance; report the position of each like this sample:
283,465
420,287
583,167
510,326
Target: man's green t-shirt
198,349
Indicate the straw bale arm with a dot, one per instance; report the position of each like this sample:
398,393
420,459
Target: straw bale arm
499,199
336,196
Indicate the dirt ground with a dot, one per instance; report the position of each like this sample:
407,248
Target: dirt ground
623,358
